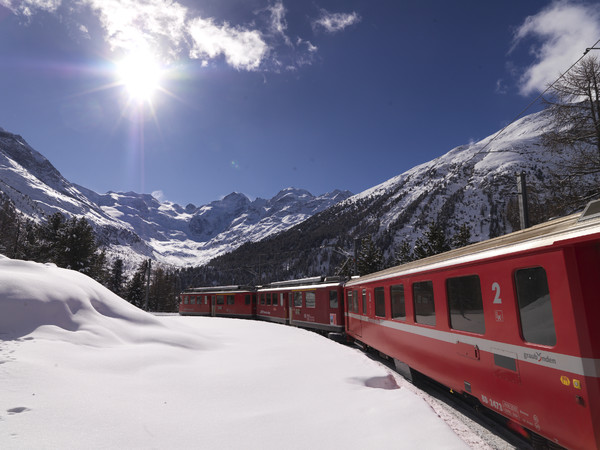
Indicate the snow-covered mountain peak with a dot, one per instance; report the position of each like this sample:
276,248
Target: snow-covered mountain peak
137,226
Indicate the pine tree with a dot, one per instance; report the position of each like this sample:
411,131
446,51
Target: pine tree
462,238
135,292
434,241
49,235
115,282
403,253
370,258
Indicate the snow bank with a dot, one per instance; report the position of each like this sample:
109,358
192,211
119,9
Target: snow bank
70,306
81,368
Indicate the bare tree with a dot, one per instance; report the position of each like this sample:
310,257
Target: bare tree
574,105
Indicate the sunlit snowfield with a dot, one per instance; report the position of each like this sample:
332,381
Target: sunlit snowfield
82,368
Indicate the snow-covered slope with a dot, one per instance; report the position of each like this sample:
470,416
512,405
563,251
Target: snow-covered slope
138,225
471,184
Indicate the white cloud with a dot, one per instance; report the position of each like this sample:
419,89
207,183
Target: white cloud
562,32
242,48
334,22
278,22
159,195
28,7
167,29
153,24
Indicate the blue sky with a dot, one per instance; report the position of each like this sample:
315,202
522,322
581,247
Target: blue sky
257,95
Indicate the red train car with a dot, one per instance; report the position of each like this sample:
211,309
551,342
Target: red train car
511,322
224,301
314,303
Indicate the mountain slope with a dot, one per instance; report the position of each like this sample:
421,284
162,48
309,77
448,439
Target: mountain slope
473,185
136,226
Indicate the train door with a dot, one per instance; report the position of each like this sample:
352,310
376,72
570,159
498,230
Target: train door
291,306
354,316
213,305
283,299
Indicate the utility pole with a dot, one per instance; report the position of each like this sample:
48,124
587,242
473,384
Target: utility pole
148,267
522,193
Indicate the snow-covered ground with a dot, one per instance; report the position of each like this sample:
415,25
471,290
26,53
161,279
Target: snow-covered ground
82,368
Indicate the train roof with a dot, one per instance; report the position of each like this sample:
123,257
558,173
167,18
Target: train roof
546,234
303,283
219,289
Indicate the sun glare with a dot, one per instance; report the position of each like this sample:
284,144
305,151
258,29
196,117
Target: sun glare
140,74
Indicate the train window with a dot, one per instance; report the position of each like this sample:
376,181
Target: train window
220,299
424,303
262,298
333,299
298,299
231,299
247,299
465,304
268,298
535,308
398,306
185,299
275,299
355,301
380,302
364,301
206,299
350,303
310,299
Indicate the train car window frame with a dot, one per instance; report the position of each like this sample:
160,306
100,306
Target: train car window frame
231,299
364,302
465,304
379,294
275,299
263,298
247,298
531,286
350,302
398,302
269,299
298,299
310,299
333,299
220,299
192,299
185,299
423,298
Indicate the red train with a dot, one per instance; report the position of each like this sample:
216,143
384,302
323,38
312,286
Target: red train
314,303
511,323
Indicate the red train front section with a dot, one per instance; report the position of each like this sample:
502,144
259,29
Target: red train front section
517,330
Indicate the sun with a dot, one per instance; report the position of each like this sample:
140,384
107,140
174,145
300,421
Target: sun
140,74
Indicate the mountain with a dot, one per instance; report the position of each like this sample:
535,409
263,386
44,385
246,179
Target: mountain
472,185
137,226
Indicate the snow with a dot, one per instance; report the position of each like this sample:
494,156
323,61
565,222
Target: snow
82,368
